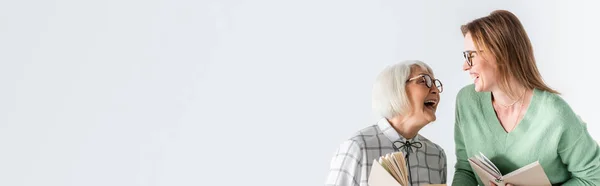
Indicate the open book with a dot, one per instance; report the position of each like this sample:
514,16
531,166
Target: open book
532,174
389,170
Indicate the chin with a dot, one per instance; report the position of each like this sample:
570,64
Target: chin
479,88
431,119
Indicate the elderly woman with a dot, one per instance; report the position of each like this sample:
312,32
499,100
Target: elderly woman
510,115
406,96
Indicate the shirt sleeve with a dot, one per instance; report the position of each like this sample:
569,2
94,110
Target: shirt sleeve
345,168
444,167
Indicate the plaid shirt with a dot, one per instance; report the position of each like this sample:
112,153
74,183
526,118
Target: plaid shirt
351,164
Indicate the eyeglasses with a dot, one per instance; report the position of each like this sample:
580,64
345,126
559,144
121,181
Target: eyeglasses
469,56
428,81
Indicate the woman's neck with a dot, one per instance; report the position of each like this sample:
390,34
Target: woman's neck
505,99
406,127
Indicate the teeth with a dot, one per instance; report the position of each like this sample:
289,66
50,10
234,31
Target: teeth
431,101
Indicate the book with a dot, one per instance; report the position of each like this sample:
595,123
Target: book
391,170
532,174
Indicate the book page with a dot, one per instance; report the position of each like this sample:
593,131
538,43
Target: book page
532,174
404,166
381,177
480,165
393,169
401,164
484,175
489,163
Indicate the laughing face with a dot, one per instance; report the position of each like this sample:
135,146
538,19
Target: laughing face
482,67
423,94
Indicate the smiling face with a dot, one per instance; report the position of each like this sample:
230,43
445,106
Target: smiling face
483,71
423,100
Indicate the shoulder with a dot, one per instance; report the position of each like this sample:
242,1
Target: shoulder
432,148
550,104
467,91
468,94
469,103
356,146
554,108
366,136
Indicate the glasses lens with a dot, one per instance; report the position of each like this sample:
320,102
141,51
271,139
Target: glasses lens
468,57
428,81
439,85
469,61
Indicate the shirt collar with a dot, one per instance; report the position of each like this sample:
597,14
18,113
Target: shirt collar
387,129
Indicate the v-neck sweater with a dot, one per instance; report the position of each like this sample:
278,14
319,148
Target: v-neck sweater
549,132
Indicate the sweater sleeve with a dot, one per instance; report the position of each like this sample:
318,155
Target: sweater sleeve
463,174
579,151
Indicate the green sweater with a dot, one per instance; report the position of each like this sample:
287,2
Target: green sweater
549,132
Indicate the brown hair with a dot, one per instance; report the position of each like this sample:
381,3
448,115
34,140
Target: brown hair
503,36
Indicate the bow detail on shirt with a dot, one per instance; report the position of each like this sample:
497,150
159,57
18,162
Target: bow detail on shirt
407,146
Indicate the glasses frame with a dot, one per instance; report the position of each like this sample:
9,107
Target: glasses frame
468,55
429,83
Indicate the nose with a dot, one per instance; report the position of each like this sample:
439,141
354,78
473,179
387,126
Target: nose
434,90
466,66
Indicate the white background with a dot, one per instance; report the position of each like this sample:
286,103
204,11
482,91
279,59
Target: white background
187,92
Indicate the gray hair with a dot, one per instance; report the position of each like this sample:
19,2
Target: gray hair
389,90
